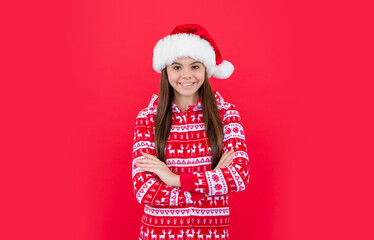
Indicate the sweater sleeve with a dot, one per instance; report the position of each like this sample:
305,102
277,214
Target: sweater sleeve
148,187
233,178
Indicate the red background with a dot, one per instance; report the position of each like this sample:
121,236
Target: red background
75,75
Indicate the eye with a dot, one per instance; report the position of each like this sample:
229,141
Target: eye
195,67
176,67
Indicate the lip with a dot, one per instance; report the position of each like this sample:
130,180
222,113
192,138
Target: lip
186,87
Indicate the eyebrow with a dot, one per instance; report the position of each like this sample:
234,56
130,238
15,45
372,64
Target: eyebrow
181,64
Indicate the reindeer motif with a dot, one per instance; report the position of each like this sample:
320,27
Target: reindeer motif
216,236
166,192
146,234
170,235
140,178
200,236
171,151
238,166
153,236
180,236
141,231
138,134
147,175
199,117
190,235
226,200
201,149
209,236
180,151
178,117
193,151
163,235
147,135
200,181
225,234
215,201
193,117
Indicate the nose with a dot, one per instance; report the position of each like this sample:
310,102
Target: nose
186,74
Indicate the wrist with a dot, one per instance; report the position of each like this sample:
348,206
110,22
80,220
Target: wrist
177,180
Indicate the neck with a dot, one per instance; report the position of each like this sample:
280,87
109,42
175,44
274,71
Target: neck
184,101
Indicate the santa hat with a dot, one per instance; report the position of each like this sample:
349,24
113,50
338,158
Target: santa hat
191,40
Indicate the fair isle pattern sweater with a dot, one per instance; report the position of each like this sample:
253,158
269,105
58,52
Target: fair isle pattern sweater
185,212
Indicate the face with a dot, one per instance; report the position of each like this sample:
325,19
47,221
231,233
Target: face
186,75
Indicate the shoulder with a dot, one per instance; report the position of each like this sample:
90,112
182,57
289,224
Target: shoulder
150,111
227,108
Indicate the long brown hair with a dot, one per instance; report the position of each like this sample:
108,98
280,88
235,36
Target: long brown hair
211,116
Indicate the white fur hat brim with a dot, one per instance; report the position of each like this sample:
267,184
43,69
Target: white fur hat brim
179,45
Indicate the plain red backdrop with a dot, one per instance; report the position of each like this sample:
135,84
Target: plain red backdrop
75,74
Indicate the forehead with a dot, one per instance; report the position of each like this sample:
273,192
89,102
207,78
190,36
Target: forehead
185,60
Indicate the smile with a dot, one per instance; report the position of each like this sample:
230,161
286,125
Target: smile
186,85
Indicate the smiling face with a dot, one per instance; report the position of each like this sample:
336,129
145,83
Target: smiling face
186,75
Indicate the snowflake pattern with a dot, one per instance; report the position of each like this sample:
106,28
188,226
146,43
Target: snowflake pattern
215,178
218,187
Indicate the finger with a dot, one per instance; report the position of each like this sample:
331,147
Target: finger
233,153
229,156
223,159
146,167
148,160
229,162
224,155
149,156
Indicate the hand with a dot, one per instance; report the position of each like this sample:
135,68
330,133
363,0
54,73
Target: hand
226,159
155,165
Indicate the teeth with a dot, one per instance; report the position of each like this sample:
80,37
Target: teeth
186,84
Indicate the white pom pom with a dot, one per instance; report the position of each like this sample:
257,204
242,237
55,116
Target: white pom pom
223,70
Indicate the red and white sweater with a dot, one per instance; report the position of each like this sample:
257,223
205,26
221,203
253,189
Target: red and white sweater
185,212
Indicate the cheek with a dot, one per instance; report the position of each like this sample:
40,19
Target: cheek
200,76
172,78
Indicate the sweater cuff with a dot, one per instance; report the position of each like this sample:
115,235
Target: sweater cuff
197,196
187,182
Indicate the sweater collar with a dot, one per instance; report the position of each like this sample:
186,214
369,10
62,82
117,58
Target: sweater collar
197,107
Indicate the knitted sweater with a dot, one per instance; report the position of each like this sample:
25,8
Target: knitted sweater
185,212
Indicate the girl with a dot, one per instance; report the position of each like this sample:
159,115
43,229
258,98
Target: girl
189,146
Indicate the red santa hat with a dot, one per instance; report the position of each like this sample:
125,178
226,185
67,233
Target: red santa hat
191,40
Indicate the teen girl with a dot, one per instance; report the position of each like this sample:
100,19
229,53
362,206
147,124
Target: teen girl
189,147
